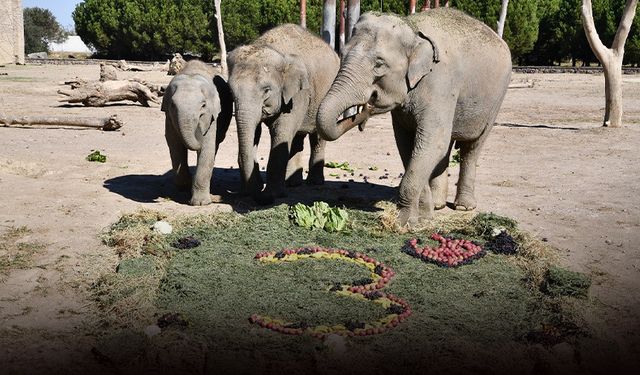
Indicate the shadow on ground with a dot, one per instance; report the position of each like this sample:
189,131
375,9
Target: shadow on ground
149,188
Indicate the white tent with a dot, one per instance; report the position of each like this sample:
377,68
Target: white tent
72,44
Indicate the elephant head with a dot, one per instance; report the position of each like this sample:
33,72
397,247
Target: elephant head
264,82
195,103
384,60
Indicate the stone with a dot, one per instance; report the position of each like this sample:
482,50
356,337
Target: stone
162,227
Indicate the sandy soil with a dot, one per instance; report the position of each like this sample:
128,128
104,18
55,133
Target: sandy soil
551,166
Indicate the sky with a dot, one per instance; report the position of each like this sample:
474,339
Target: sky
61,9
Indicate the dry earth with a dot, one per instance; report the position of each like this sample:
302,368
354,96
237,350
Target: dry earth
552,167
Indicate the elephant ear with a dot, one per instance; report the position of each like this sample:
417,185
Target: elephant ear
423,56
166,98
294,77
226,107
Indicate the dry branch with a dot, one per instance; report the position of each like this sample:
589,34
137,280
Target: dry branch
97,94
522,85
105,123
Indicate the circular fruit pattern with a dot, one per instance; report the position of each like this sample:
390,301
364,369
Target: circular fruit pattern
368,289
450,253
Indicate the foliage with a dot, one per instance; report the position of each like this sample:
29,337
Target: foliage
537,31
41,28
319,216
97,157
145,29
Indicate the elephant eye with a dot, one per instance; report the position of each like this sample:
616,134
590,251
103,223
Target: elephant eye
266,90
379,67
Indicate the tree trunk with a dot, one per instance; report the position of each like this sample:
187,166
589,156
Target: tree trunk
613,92
503,17
329,22
97,94
353,13
412,6
106,123
223,45
610,58
341,32
303,13
426,5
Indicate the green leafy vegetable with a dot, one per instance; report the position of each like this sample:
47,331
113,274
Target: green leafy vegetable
319,216
97,157
344,166
337,219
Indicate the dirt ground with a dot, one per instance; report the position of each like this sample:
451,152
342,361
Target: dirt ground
549,165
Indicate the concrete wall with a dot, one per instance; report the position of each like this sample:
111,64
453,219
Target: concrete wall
11,32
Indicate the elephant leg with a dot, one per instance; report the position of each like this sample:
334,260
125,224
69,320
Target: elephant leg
405,141
178,154
439,183
469,153
430,147
316,160
200,190
282,134
294,165
254,183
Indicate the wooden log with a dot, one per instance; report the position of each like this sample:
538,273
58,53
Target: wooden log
105,123
97,94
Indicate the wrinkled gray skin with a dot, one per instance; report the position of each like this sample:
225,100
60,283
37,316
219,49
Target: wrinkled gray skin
279,80
198,107
443,75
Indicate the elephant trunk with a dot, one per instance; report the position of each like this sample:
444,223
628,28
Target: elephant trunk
248,125
190,131
344,94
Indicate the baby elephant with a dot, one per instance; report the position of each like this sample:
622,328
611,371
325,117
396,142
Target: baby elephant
198,106
279,80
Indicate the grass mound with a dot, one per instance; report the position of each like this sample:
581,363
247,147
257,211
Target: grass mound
481,315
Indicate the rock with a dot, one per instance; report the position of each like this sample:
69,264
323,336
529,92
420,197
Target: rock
38,55
162,227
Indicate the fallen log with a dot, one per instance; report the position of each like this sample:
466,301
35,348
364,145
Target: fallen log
97,94
522,85
105,123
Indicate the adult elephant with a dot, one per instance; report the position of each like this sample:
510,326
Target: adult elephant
279,80
443,75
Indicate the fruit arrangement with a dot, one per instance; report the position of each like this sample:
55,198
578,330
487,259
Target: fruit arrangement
367,289
450,253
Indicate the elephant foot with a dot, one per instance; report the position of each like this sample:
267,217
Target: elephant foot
465,202
295,180
407,218
315,179
200,199
440,205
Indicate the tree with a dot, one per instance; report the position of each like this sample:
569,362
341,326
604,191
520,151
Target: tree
503,17
611,58
41,28
223,45
146,29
